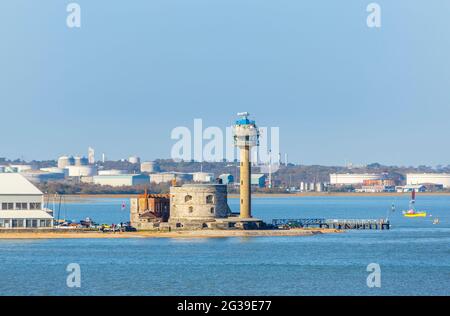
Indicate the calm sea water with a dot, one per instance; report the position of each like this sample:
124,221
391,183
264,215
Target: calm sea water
414,255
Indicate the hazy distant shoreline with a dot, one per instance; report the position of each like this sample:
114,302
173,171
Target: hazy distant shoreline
77,197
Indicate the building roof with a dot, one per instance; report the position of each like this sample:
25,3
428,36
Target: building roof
16,184
25,214
412,186
257,175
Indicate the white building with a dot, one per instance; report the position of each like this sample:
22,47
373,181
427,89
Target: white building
352,178
111,172
428,178
203,177
22,168
121,179
21,204
410,188
38,176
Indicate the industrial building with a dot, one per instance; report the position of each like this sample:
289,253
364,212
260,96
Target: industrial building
164,177
16,168
121,180
428,178
352,178
22,204
377,186
56,170
81,161
65,161
258,180
10,169
411,187
150,167
111,172
226,178
312,186
22,168
38,176
77,166
203,177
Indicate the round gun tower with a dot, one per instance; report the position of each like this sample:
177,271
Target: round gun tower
246,136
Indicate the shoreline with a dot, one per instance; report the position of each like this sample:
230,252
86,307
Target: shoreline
173,234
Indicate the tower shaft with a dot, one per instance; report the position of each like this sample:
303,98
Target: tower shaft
245,174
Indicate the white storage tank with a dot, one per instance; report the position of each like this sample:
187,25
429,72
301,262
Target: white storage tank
81,161
65,161
320,187
302,186
134,160
82,171
149,166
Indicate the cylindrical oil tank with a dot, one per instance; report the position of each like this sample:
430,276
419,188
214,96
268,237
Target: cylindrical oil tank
81,161
149,166
65,161
82,171
134,159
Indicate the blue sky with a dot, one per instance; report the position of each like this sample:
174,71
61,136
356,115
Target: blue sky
339,91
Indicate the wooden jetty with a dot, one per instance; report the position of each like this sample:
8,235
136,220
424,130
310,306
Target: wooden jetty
333,223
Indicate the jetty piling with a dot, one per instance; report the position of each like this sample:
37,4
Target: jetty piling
375,224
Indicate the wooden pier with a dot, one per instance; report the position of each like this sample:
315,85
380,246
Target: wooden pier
376,224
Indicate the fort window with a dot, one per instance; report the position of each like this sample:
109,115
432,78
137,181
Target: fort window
212,210
209,199
191,209
188,198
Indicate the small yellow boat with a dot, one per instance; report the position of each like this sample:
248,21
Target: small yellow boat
412,210
415,214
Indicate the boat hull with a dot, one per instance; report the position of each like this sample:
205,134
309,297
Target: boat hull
422,214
